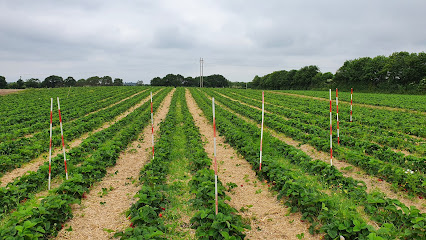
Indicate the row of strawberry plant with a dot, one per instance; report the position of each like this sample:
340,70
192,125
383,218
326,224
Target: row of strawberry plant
325,172
14,153
79,109
24,187
46,219
28,119
356,130
411,102
405,122
153,196
351,141
315,137
146,213
381,209
363,144
226,224
36,100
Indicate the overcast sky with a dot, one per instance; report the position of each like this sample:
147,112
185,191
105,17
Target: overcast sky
141,39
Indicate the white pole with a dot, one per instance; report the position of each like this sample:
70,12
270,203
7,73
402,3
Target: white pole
215,162
261,130
152,128
63,142
50,142
337,117
352,91
202,72
331,129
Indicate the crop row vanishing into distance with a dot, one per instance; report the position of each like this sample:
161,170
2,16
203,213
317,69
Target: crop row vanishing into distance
388,143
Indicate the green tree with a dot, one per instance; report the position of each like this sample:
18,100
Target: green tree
215,80
118,82
157,81
20,84
106,81
52,81
405,69
80,83
303,79
353,74
70,82
3,83
32,83
169,80
140,83
374,72
93,81
256,81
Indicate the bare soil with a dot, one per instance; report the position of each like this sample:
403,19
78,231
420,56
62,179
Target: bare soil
9,91
104,210
269,218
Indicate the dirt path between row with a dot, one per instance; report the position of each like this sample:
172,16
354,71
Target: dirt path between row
104,207
269,218
355,104
34,164
371,182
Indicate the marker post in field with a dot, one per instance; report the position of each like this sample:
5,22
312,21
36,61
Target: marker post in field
50,143
63,142
215,162
331,137
352,91
261,130
152,129
337,117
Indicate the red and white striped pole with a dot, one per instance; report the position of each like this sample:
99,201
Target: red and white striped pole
215,162
63,143
152,128
331,138
50,142
352,91
261,130
337,117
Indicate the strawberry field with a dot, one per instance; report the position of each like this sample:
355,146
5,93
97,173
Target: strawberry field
374,189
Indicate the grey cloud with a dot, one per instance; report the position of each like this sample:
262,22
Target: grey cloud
239,39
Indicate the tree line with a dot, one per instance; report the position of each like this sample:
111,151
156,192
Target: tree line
215,80
308,77
400,72
54,81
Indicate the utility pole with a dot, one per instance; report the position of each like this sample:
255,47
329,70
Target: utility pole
201,72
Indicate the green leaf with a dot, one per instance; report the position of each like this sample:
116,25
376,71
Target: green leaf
224,234
417,219
19,228
332,233
40,229
203,214
29,224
